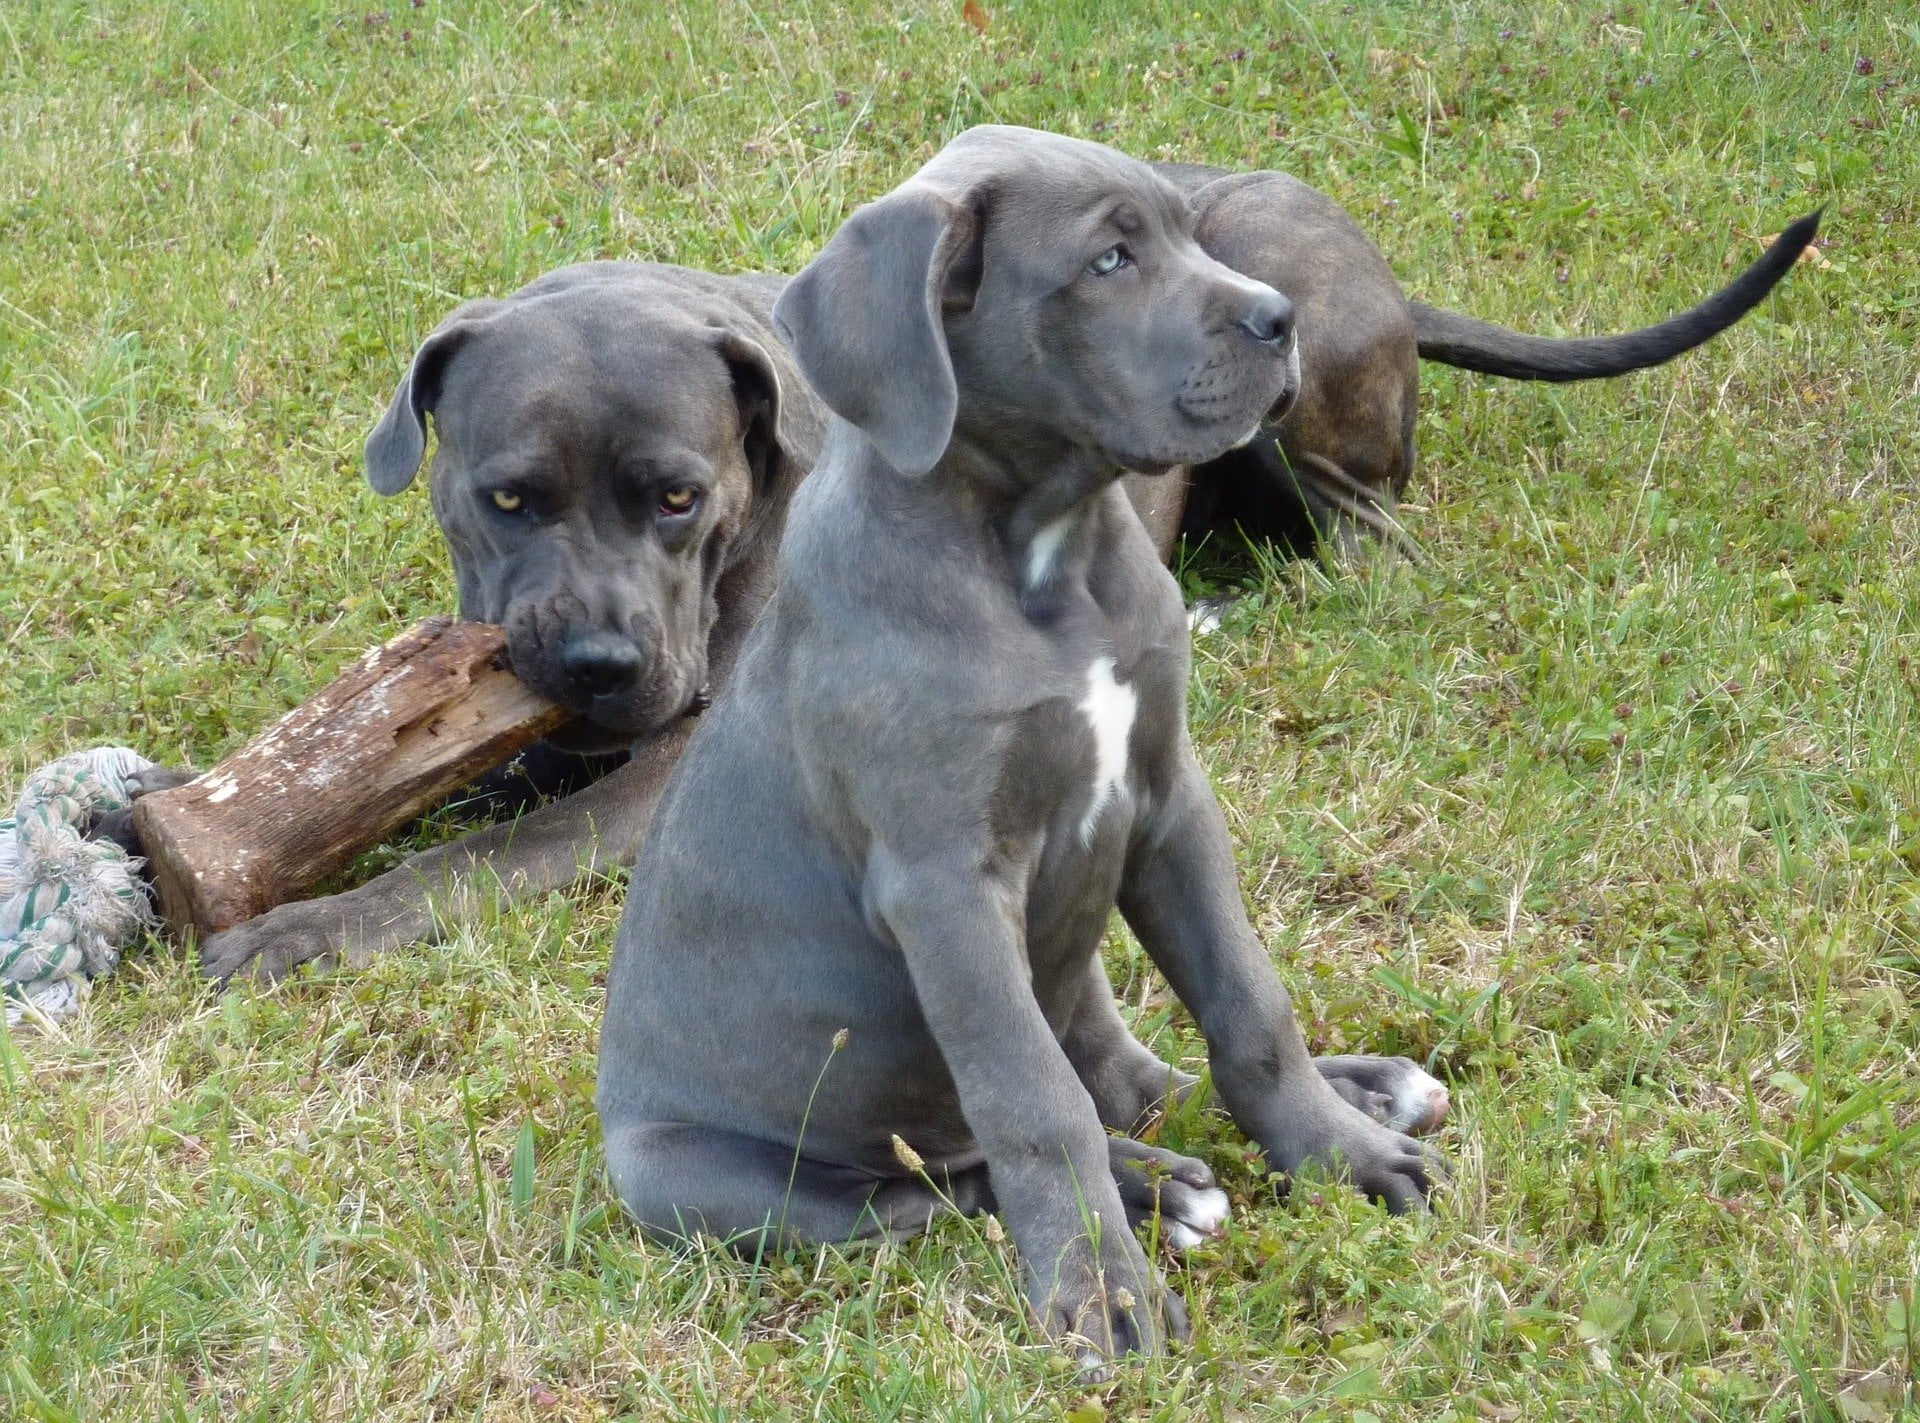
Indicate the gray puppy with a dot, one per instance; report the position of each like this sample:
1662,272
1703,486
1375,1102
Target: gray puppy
857,981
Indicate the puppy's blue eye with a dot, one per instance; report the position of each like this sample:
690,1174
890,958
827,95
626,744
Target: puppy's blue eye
506,501
1111,260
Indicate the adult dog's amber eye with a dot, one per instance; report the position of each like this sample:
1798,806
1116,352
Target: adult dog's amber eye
1111,260
678,499
506,501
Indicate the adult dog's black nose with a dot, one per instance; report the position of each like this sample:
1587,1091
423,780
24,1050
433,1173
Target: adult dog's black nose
1270,320
599,662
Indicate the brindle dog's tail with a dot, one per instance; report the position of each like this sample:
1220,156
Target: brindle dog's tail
1457,340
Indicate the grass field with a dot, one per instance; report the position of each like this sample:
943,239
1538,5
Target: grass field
1611,810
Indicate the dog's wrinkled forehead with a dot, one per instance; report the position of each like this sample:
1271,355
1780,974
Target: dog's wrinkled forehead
1051,171
568,372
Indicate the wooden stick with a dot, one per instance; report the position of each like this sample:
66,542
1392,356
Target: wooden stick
390,737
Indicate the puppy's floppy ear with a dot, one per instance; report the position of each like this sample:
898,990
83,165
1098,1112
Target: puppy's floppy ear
399,441
864,322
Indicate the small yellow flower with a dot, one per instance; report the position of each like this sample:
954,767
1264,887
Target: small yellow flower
907,1156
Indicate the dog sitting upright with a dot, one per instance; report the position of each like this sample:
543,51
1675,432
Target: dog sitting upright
859,956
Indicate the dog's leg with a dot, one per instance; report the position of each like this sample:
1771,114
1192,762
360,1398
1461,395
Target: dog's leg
1087,1277
1342,509
680,1179
1128,1084
1182,899
421,899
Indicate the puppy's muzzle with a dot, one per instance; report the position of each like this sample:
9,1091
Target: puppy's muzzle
1270,320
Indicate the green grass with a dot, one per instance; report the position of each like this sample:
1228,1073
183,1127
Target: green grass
1611,810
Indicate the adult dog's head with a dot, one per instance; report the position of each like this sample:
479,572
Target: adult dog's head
610,441
1033,295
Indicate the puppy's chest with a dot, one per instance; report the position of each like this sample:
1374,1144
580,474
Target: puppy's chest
1109,709
1075,774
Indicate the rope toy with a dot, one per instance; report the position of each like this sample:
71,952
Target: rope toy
68,905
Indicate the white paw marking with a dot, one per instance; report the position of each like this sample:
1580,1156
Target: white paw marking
1180,1237
1420,1103
1204,616
1045,547
1109,707
1200,1220
1210,1210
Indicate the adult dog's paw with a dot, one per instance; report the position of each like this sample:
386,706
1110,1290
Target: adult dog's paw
1191,1205
272,945
159,778
1394,1091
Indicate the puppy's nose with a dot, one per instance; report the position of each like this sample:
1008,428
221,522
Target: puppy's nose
1270,320
599,662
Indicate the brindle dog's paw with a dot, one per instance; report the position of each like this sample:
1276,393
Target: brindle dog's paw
1394,1091
271,946
1191,1204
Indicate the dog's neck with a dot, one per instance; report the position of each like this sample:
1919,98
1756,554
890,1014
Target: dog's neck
1038,508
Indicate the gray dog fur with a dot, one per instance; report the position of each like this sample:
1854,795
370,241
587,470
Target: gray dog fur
607,377
956,740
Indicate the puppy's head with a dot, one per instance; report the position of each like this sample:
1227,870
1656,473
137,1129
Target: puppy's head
601,450
1028,292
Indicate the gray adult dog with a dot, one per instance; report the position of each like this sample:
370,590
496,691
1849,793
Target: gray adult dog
570,412
857,981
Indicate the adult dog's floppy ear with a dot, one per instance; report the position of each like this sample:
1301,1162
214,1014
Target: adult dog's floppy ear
766,424
399,441
864,322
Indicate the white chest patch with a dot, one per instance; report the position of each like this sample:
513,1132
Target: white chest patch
1109,707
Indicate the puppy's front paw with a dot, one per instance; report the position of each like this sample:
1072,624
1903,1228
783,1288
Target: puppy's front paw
159,778
1383,1164
1111,1302
1191,1205
117,825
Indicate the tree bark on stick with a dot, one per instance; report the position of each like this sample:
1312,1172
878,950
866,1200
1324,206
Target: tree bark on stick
390,737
